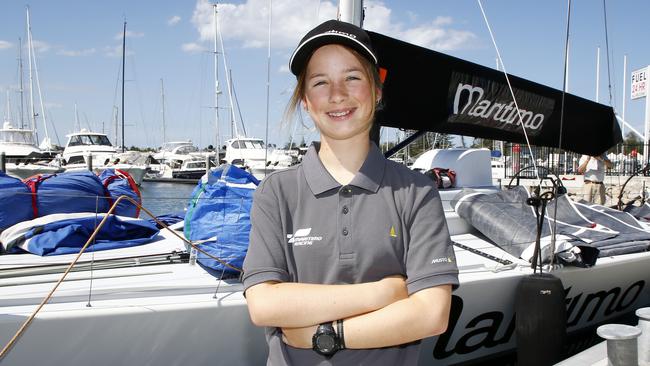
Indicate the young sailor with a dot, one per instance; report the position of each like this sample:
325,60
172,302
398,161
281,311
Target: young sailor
350,260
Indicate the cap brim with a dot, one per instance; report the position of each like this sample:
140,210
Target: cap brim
304,51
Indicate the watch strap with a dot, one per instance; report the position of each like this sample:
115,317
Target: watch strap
339,331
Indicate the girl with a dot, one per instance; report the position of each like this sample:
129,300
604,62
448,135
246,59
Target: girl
350,260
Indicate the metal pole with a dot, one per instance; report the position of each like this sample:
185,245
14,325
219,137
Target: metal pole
3,167
89,161
597,74
646,132
123,74
624,93
351,11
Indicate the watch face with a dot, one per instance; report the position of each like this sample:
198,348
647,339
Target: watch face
325,343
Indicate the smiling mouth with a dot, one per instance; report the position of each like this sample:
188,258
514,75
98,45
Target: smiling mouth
340,114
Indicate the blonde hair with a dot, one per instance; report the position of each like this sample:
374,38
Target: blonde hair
368,68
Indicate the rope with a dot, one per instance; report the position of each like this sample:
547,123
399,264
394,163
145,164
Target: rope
512,93
91,239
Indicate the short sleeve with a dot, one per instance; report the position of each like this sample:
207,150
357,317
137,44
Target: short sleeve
430,259
266,259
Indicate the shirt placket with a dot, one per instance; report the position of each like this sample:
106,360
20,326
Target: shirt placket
344,235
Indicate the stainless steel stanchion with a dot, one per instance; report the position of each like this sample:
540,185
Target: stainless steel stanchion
644,339
3,167
89,161
621,344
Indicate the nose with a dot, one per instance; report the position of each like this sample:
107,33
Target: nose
338,92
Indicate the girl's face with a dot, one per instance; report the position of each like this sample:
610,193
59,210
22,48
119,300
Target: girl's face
338,94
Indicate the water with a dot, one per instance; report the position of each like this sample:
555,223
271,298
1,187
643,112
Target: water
164,198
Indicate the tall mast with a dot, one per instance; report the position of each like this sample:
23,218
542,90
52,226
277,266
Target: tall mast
32,117
162,95
21,91
123,73
216,80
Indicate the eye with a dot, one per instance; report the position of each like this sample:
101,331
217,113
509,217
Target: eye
318,83
352,77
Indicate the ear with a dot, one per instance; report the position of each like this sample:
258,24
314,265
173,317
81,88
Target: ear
304,104
379,95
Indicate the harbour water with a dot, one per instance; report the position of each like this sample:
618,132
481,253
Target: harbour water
163,198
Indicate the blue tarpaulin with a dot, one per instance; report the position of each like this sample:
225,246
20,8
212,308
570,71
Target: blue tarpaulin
15,201
59,234
219,214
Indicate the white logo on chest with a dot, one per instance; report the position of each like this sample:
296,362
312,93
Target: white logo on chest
301,238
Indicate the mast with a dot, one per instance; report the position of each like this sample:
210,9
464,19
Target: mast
32,113
123,73
216,80
597,75
22,90
162,95
351,11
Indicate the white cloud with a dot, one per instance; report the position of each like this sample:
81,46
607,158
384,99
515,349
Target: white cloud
193,47
247,23
5,44
435,34
40,46
116,51
86,52
129,34
173,20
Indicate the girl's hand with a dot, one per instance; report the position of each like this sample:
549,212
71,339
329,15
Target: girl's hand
299,337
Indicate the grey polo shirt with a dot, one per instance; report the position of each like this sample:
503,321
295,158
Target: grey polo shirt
308,228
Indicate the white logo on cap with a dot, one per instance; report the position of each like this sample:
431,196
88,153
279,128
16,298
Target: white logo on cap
342,33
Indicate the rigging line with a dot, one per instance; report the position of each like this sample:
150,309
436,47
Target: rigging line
505,73
268,92
609,75
564,82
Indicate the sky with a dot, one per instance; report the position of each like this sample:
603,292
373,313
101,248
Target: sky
78,45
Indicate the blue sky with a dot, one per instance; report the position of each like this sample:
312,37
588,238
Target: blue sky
78,48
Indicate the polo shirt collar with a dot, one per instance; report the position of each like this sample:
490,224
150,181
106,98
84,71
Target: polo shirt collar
319,179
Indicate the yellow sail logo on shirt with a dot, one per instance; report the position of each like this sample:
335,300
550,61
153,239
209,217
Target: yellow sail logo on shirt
392,232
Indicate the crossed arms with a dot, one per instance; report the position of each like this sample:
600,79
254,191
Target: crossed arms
376,314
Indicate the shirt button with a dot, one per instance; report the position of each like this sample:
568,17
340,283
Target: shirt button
345,232
345,210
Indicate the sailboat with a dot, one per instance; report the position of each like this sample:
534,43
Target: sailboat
151,305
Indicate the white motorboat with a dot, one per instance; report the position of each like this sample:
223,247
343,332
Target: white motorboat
180,159
23,158
104,155
250,153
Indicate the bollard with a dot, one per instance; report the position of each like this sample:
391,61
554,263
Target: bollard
3,167
621,343
644,339
89,161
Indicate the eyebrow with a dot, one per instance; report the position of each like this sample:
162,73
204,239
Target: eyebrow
352,69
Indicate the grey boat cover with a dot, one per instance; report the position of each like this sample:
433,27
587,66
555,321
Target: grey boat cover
583,231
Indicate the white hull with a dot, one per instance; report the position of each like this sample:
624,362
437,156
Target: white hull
166,314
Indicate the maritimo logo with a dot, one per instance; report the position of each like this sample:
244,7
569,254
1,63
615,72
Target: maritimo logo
478,106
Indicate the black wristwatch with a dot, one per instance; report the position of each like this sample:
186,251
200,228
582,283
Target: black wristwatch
325,341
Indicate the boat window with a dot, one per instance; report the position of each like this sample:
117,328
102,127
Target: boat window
100,140
17,137
249,144
258,144
236,144
75,141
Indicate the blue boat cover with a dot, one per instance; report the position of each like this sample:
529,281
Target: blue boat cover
68,235
15,201
218,216
119,183
71,192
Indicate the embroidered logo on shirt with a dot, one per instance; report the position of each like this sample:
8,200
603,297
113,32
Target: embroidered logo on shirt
301,237
392,232
442,260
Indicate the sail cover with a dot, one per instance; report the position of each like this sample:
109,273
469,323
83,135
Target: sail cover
431,91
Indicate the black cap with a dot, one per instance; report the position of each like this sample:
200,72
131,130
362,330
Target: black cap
332,31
